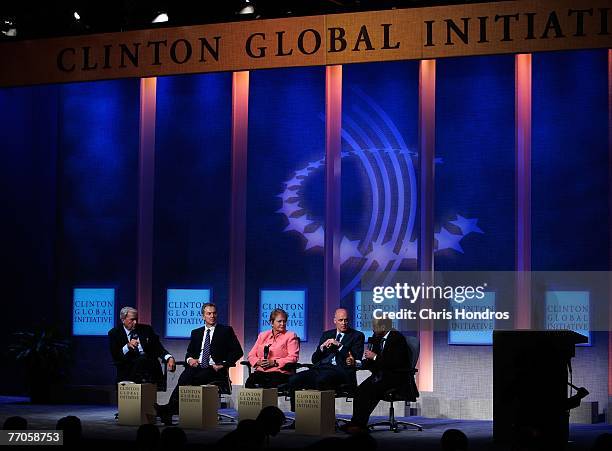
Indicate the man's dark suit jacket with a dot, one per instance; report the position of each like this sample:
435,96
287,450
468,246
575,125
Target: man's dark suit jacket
392,366
151,346
351,341
224,347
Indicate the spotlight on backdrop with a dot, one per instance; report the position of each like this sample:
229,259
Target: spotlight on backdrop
8,26
77,24
161,17
247,7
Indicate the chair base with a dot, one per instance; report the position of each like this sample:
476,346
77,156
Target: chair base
229,419
341,422
289,423
395,425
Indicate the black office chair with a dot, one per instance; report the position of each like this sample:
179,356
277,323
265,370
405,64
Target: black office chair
403,393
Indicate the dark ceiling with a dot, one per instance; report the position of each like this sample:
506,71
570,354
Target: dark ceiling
57,18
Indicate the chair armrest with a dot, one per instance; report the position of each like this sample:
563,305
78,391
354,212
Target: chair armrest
248,365
226,364
290,366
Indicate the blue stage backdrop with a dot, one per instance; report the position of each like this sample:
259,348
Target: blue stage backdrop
475,164
285,203
379,171
571,229
475,167
98,201
69,175
474,200
192,189
570,161
28,166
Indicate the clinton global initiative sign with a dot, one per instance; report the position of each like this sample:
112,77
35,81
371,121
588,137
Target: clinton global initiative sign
184,310
291,301
93,311
414,33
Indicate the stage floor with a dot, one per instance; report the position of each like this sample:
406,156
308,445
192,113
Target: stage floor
99,424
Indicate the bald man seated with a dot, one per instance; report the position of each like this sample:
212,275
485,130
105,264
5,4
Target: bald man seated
335,359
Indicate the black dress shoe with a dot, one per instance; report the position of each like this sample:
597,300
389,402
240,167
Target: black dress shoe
166,419
163,412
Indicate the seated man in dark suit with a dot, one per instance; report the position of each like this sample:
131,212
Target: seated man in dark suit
334,359
212,349
388,361
136,348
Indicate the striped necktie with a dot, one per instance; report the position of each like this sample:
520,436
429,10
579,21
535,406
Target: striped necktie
206,351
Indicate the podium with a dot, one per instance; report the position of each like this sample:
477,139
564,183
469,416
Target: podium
198,406
136,403
315,412
530,374
252,400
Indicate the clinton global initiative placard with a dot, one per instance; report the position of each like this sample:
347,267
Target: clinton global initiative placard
571,310
93,311
291,301
184,310
464,329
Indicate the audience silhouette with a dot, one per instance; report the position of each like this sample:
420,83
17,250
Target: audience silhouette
454,440
173,438
247,435
603,442
147,437
255,434
15,424
73,431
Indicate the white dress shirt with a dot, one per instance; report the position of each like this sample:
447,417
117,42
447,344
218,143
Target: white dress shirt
126,348
212,332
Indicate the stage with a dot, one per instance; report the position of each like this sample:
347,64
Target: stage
100,426
444,167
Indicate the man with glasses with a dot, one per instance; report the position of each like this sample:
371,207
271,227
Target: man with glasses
335,359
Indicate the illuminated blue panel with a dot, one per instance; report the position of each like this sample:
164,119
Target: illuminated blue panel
569,310
184,311
471,331
570,225
285,227
93,311
192,186
293,302
475,162
364,308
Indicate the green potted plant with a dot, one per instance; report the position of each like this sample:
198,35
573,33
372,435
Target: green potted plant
44,354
